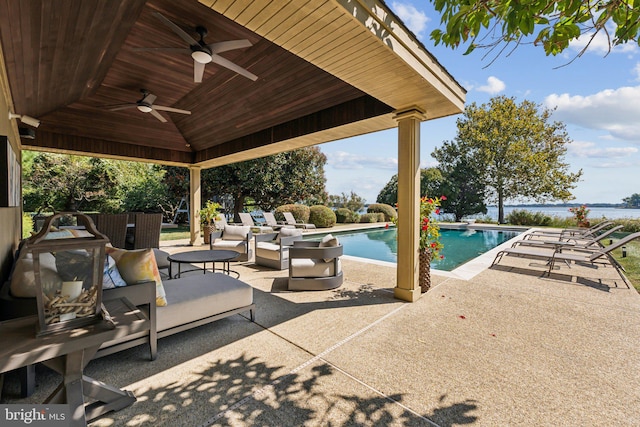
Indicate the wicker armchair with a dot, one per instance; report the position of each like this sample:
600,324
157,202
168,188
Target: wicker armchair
114,226
147,231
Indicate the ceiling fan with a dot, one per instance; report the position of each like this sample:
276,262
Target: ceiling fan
145,105
201,52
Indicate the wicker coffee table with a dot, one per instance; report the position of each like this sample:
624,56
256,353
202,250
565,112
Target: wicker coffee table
202,257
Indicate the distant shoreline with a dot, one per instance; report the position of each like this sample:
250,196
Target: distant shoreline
569,205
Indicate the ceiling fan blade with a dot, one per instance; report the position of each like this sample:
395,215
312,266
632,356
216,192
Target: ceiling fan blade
149,98
179,31
233,67
122,107
170,109
198,71
157,115
228,45
161,49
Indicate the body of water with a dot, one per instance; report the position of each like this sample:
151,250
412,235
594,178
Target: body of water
460,246
562,212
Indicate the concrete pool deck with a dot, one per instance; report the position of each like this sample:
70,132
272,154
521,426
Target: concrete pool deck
508,347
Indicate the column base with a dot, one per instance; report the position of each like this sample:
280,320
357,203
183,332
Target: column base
410,295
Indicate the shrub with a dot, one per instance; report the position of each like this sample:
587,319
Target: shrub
344,216
525,217
388,211
371,217
322,216
27,225
300,212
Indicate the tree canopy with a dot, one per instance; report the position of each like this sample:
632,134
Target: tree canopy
69,183
293,177
463,181
430,181
551,24
520,151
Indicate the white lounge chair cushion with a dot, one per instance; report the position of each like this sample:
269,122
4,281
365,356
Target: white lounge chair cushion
304,267
237,232
288,232
271,250
231,245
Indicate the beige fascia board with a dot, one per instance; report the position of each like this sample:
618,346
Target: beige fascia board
8,127
362,127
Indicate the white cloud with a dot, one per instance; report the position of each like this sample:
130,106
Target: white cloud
613,110
494,86
414,19
600,44
591,150
345,160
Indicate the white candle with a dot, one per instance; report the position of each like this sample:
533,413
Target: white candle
71,289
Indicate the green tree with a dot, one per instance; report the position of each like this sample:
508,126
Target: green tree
430,185
551,24
69,183
353,202
142,187
632,201
293,177
463,183
520,151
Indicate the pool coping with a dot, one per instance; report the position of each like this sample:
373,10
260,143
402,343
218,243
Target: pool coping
466,271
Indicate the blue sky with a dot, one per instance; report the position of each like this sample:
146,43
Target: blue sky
597,96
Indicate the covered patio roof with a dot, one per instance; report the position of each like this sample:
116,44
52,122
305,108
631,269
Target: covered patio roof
327,70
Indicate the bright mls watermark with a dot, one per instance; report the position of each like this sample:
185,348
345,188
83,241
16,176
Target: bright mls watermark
34,415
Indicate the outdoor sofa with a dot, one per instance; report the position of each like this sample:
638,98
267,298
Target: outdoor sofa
172,306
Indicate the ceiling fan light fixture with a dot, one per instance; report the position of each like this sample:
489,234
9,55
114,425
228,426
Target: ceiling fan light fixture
201,57
145,108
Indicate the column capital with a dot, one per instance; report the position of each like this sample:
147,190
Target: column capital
413,112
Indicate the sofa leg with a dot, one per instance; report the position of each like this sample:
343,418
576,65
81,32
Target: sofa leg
252,314
27,380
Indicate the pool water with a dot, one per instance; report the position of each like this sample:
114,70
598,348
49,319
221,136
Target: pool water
460,246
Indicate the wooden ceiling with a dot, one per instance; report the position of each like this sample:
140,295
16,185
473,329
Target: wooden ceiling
68,61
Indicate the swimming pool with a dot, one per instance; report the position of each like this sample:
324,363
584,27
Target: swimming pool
460,246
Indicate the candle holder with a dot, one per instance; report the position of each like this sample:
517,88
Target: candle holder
68,268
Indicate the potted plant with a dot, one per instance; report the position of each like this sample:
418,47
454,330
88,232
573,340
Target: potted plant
430,244
208,215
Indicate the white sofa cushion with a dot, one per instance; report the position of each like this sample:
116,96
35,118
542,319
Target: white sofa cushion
23,280
271,251
305,267
197,296
328,241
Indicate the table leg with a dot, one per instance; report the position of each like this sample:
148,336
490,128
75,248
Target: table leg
76,386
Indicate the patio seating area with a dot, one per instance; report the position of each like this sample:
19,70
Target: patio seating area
512,346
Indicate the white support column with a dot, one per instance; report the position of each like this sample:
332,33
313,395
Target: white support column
407,287
195,197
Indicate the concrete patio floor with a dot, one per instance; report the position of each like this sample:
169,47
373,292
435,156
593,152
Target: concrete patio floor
510,347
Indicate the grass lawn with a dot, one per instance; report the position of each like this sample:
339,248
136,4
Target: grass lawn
631,262
180,232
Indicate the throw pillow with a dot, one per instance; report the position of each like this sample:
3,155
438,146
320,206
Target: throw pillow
235,232
23,280
138,266
328,241
288,232
111,277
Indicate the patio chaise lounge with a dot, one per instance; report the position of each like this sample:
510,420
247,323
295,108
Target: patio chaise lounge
571,242
576,255
270,220
247,220
291,220
583,233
